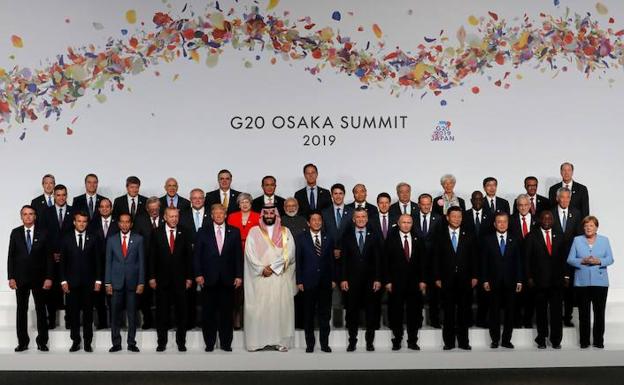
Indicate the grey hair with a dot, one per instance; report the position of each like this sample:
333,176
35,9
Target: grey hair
403,184
243,196
446,177
561,190
524,197
152,199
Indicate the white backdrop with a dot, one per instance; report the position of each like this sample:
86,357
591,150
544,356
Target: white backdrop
181,128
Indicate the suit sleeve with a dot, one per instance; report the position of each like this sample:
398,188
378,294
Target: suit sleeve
379,260
99,257
108,269
474,259
422,260
238,254
585,203
528,273
63,261
11,257
484,261
141,263
299,260
49,260
188,256
151,258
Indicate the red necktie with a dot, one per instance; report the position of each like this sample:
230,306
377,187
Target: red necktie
525,228
406,250
124,246
532,206
171,203
171,241
548,243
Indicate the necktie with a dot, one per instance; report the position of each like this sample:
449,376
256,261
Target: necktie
425,230
171,240
406,250
133,208
525,228
197,222
50,201
28,241
454,241
270,201
492,205
404,208
105,228
60,218
548,242
80,245
359,206
219,239
317,245
502,245
564,220
312,200
154,224
567,186
124,246
361,241
532,206
91,207
384,226
338,217
477,224
226,202
171,202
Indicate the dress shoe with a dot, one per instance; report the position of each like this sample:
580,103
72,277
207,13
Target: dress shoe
161,348
465,347
540,343
584,346
43,348
326,349
209,349
494,345
114,348
21,348
448,347
507,344
370,347
310,349
75,347
568,324
558,346
396,346
226,348
599,346
133,348
181,348
413,346
88,348
351,346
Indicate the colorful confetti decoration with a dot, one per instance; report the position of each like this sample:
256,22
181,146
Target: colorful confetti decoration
551,43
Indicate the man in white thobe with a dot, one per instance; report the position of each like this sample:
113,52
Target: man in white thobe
269,284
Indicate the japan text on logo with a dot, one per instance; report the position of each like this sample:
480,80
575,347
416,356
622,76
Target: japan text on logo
442,132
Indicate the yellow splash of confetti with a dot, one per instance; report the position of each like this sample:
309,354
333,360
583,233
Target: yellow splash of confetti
17,41
131,16
472,20
377,31
272,4
195,56
602,9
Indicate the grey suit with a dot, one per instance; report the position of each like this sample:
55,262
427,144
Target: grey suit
124,274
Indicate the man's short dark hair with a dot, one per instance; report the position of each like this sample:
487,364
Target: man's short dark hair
127,215
489,179
28,207
105,199
224,171
60,187
132,180
268,177
383,195
314,212
501,214
339,186
80,213
453,208
89,176
310,165
425,195
528,178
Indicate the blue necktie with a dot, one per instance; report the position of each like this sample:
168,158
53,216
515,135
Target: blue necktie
454,241
502,245
28,241
338,217
50,201
564,221
197,223
361,241
312,200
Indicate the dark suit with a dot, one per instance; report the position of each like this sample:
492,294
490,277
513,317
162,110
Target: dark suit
120,205
573,228
405,274
124,274
525,300
322,195
546,273
436,208
219,271
183,203
30,270
171,270
258,203
101,301
80,203
578,200
40,204
214,196
396,210
187,219
541,203
485,228
501,205
316,273
377,226
80,268
455,269
436,222
503,272
371,209
330,226
360,270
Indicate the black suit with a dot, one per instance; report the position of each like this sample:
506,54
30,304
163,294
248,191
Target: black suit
171,270
435,223
80,203
219,271
503,272
578,200
183,203
455,270
40,204
81,268
370,209
541,203
525,300
546,273
377,226
501,205
215,196
120,206
258,203
30,270
405,274
316,273
361,270
396,210
322,195
332,228
486,227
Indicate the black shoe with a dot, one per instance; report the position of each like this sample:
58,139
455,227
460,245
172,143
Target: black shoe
507,345
226,348
310,349
133,348
351,346
494,345
448,347
413,346
75,347
181,348
21,348
465,347
436,325
558,346
43,348
568,324
599,346
370,347
161,348
326,349
114,348
584,346
540,343
209,349
88,348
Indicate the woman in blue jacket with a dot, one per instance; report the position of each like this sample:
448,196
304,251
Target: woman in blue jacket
590,255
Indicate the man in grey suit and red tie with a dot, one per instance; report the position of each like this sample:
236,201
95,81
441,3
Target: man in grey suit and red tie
124,279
